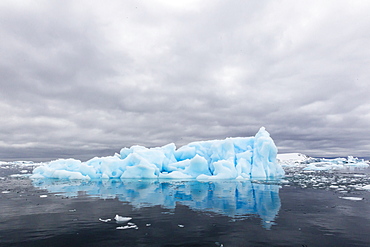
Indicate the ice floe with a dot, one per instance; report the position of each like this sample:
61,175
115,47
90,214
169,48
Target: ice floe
105,220
121,219
366,187
127,227
297,160
352,198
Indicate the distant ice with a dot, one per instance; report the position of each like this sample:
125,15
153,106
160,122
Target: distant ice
366,187
291,158
18,175
352,198
343,175
319,164
231,158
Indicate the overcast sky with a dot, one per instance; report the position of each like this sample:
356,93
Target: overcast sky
86,78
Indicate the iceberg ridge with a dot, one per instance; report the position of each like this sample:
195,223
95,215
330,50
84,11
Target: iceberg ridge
231,158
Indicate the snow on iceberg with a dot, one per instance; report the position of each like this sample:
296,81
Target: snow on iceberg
231,158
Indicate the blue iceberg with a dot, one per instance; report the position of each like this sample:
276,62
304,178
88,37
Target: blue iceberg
231,158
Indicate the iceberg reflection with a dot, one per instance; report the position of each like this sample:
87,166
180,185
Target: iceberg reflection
235,199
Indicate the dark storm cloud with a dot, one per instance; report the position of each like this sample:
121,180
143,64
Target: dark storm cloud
81,79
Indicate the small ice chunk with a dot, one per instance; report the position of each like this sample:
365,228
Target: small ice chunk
147,225
121,219
352,198
127,227
359,175
43,196
181,226
121,227
17,175
366,187
106,220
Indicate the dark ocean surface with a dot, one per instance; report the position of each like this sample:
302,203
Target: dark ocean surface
303,209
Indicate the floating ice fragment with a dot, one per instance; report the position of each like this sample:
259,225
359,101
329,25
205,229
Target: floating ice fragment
121,219
366,187
359,175
352,198
106,220
17,176
181,226
147,225
127,227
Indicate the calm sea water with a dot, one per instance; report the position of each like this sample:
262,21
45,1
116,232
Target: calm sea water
301,210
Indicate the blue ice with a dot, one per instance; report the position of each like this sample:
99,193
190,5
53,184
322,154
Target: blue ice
231,158
233,198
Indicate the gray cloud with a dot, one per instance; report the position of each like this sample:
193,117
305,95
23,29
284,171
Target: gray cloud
80,79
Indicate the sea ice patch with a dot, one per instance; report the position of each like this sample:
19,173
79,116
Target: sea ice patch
366,187
352,198
127,227
105,220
